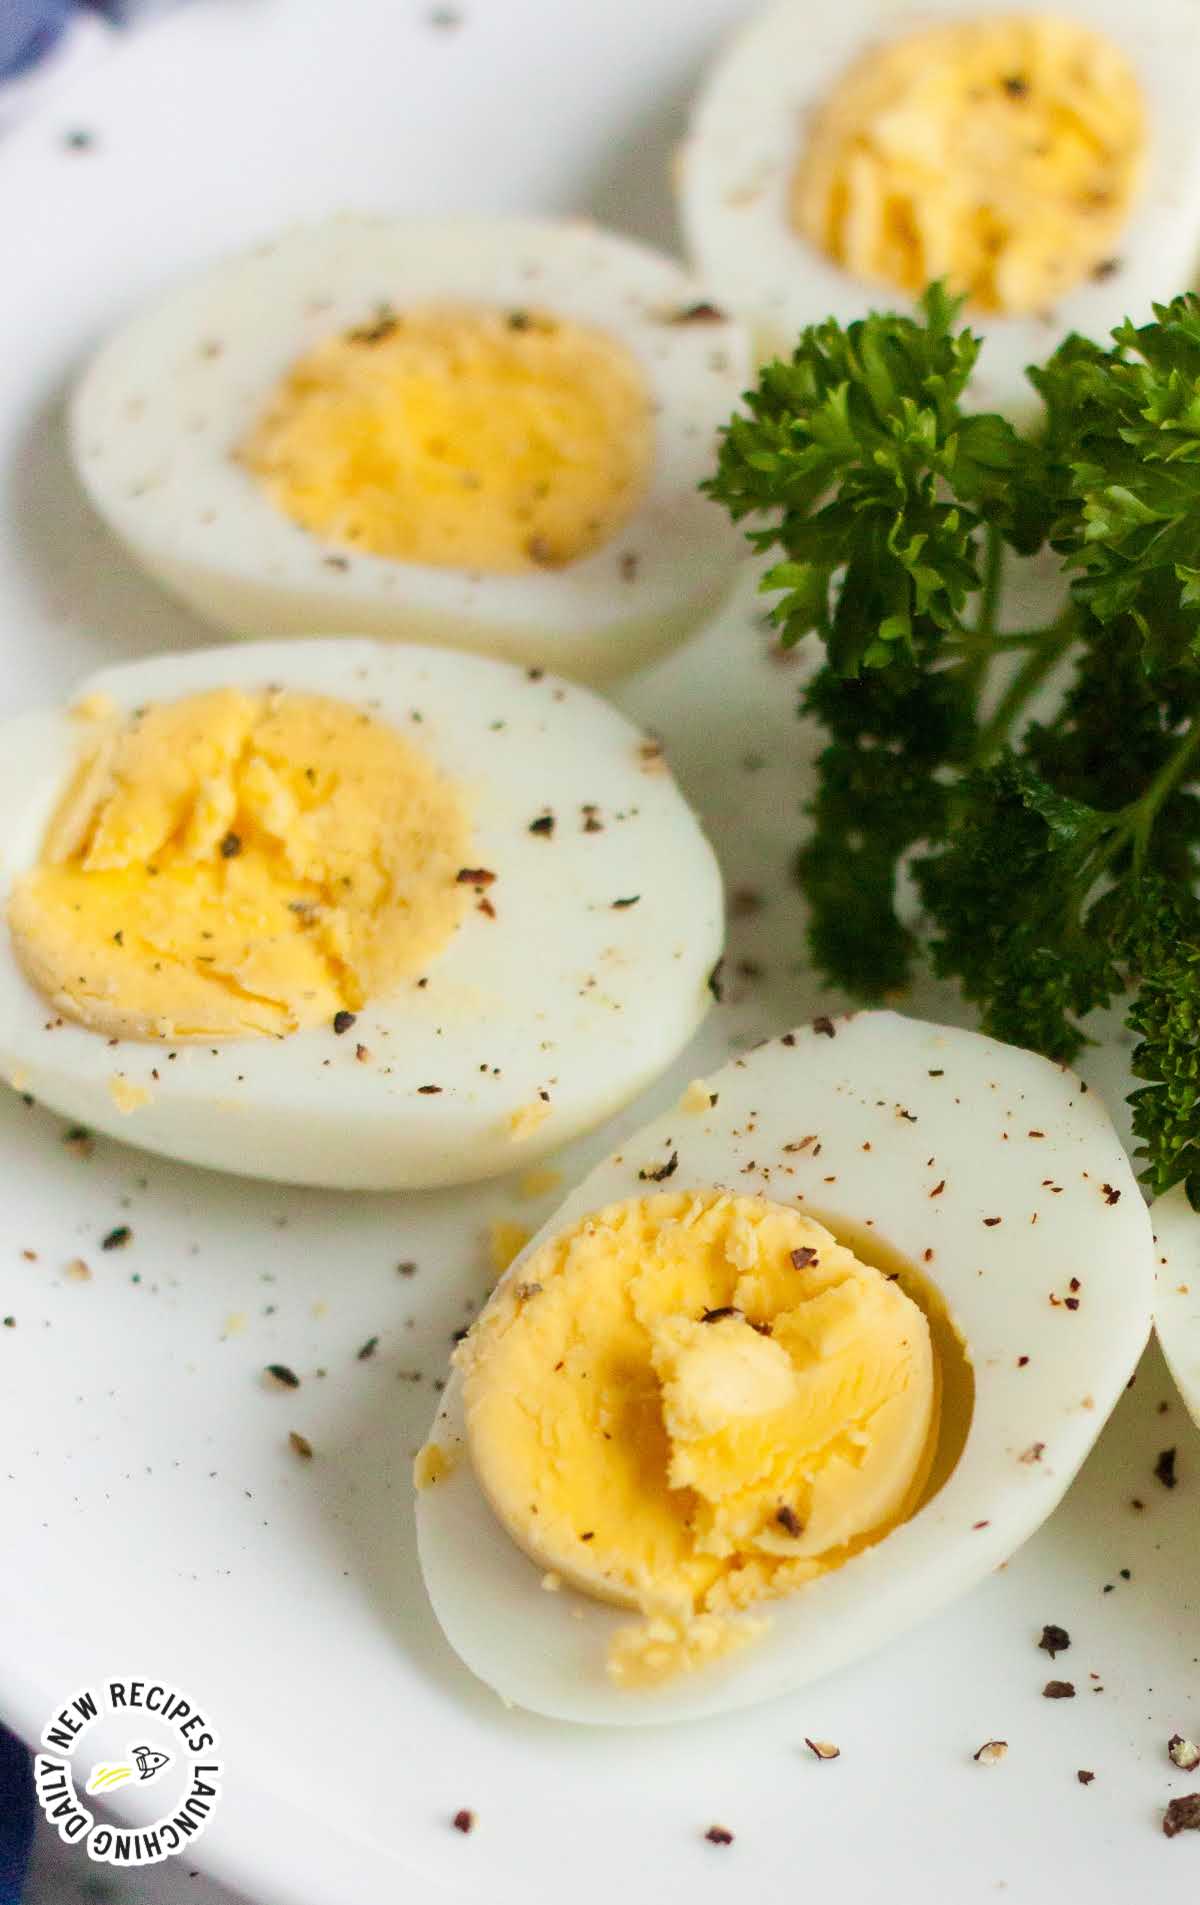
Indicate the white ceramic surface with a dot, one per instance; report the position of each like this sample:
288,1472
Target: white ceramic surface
151,1512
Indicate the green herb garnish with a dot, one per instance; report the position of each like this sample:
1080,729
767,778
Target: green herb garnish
1056,859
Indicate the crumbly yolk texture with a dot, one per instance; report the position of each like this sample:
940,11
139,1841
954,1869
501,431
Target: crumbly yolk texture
465,438
690,1403
237,863
1003,155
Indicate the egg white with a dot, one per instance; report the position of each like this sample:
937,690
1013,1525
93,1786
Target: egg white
172,394
745,137
972,1108
1177,1292
509,993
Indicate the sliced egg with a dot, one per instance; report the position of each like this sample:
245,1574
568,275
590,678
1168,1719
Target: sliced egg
1046,165
1177,1292
811,1354
345,913
481,433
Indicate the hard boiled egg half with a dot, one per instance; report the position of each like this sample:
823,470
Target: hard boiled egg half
808,1356
1047,165
484,433
1177,1292
344,913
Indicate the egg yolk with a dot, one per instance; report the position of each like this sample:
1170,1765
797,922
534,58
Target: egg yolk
238,863
464,438
689,1403
1003,155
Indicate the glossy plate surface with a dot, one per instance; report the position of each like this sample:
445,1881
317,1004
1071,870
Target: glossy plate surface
154,1518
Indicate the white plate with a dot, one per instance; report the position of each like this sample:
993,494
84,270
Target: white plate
151,1514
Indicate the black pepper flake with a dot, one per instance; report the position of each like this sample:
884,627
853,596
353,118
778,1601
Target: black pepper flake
1085,1777
802,1257
519,321
718,1315
407,1269
1182,1815
991,1222
464,1820
378,331
1164,1468
79,140
300,1445
660,1173
544,825
619,905
429,1091
714,981
702,313
1016,85
1058,1690
231,846
282,1374
589,1536
1055,1640
474,876
789,1520
1107,268
789,1038
629,565
825,1026
938,1189
342,1021
1109,1195
719,1835
120,1236
368,1349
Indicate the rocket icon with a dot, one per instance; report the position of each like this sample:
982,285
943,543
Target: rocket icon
148,1761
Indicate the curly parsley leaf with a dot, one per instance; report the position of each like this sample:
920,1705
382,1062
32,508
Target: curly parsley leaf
1123,465
1008,895
1162,942
850,447
1057,860
879,791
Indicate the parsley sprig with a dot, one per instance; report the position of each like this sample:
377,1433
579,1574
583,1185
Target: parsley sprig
1055,859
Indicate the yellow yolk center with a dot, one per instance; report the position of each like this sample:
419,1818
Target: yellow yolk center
1003,155
692,1402
463,438
239,863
